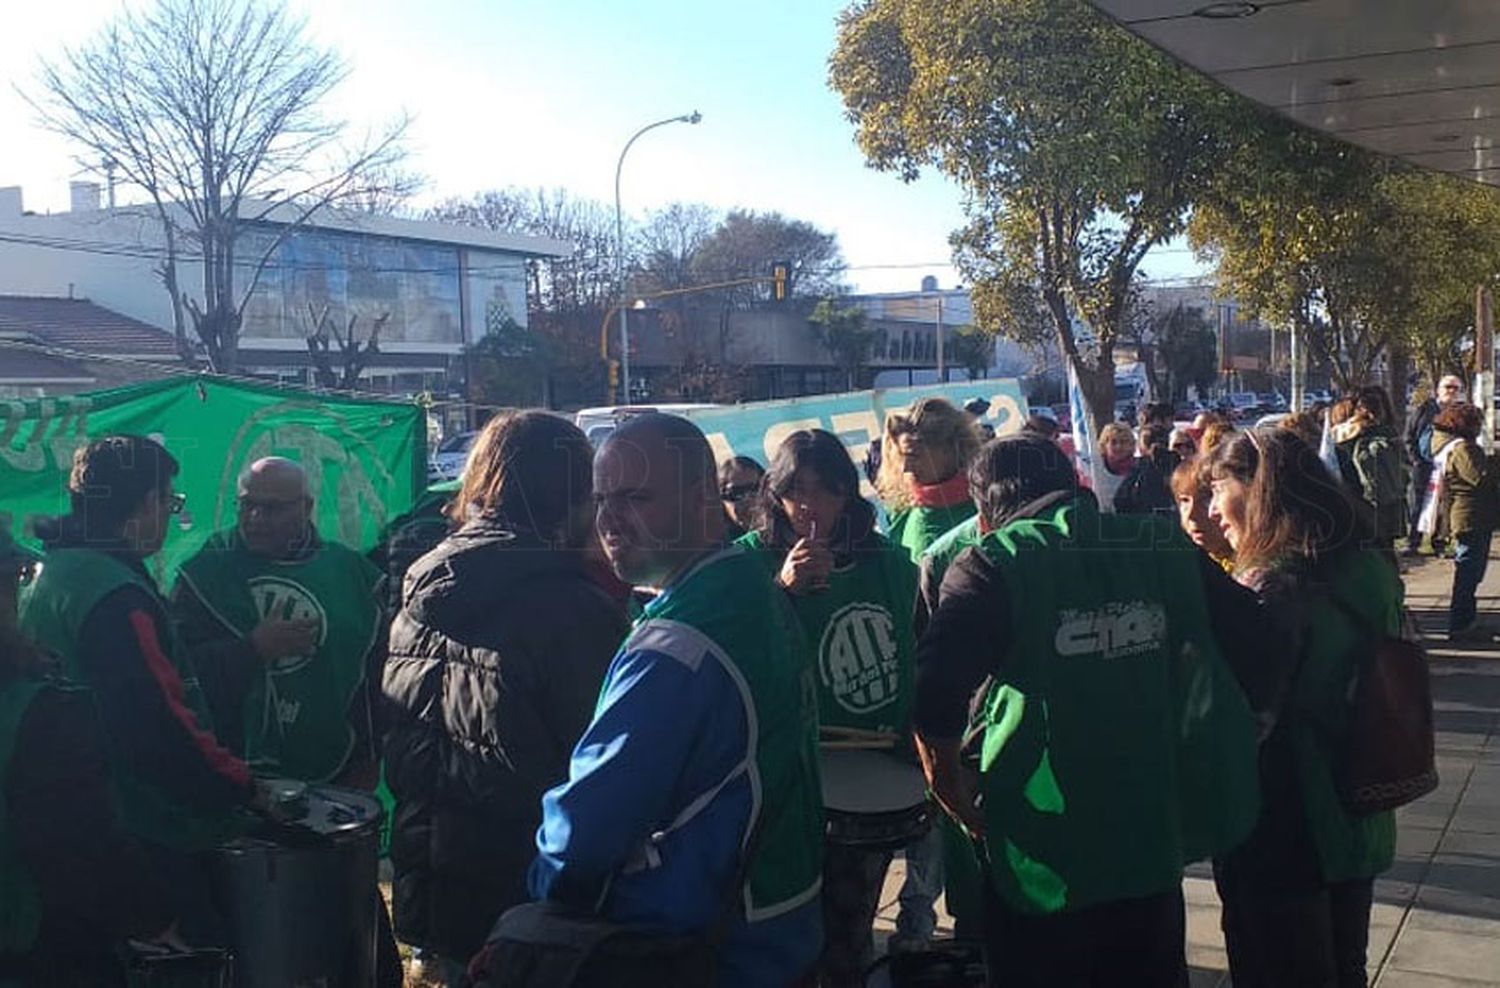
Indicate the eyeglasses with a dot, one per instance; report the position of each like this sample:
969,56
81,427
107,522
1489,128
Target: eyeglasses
738,492
265,506
176,501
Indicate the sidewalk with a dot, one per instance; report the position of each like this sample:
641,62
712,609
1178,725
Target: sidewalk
1436,921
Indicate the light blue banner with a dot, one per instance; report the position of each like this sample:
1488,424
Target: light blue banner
856,417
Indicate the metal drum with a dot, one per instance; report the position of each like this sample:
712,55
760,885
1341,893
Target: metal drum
154,968
301,898
873,800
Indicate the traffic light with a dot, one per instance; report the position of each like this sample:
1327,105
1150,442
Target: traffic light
614,379
779,272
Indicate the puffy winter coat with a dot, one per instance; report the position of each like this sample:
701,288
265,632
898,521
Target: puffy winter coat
496,660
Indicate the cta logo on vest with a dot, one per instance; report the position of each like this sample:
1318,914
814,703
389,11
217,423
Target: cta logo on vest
857,658
287,600
1116,630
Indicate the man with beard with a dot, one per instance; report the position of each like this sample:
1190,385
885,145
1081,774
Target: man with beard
703,746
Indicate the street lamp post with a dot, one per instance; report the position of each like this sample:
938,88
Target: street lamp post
688,118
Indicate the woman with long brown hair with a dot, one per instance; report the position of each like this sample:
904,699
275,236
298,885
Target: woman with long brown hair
496,659
852,592
1467,508
1297,894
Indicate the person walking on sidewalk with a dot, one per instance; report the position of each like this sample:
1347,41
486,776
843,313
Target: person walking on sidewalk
1419,453
1466,508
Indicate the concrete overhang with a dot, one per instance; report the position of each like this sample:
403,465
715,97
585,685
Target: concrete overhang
1415,80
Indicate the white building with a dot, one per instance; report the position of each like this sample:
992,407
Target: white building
437,286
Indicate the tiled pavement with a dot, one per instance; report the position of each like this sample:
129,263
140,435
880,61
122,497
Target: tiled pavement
1436,920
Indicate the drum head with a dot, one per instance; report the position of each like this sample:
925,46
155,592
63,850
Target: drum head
870,782
334,811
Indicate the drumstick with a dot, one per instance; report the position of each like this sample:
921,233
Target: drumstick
852,745
856,734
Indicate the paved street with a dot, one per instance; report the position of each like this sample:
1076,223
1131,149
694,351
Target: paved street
1436,921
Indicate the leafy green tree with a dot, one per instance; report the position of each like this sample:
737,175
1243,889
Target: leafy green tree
745,244
1368,259
1179,349
1078,148
508,366
972,349
845,333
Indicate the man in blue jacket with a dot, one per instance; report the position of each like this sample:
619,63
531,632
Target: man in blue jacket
704,740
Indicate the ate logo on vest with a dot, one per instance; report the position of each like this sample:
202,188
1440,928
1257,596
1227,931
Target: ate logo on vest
286,600
1113,631
857,657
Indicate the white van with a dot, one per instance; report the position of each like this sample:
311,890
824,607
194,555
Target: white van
598,423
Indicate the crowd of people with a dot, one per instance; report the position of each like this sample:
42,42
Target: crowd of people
707,704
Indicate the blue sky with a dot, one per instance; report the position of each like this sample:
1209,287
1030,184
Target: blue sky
506,92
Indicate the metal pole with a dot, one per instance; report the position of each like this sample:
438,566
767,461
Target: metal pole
941,369
690,118
1296,368
1484,364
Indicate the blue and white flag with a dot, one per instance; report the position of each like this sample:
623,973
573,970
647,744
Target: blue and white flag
1084,447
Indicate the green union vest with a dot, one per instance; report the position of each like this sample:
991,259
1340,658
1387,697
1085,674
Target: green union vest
297,713
53,611
728,599
861,634
918,527
20,904
1117,745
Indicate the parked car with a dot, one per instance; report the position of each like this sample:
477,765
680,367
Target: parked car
1243,404
447,461
1271,403
598,423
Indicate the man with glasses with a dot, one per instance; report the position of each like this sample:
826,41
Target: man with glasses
96,608
739,489
1419,453
287,631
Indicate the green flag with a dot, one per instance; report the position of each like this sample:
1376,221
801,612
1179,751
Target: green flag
365,459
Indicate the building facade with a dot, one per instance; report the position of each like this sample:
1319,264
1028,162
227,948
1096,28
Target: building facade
431,288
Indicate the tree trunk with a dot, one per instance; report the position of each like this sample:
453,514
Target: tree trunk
1098,386
1399,362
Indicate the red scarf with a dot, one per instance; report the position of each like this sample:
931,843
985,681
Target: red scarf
954,490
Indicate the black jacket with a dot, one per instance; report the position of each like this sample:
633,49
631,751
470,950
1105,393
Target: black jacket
494,667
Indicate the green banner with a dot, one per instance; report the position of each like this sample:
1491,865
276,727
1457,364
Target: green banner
366,460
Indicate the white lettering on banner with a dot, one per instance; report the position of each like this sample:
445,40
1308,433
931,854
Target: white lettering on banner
857,657
71,415
1113,631
863,422
867,424
720,445
1012,419
777,433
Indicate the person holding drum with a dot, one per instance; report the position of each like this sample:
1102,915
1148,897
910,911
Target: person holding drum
73,884
852,591
288,633
95,607
1098,778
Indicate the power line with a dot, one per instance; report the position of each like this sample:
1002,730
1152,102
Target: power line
146,252
177,370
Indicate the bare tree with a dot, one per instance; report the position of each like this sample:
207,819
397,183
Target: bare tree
354,354
212,108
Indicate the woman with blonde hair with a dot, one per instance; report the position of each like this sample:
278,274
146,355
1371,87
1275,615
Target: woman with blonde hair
922,480
1116,463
